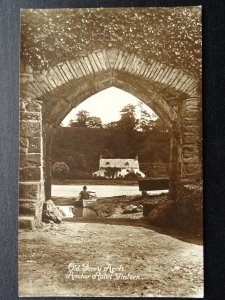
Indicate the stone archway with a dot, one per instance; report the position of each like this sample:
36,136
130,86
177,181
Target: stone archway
48,95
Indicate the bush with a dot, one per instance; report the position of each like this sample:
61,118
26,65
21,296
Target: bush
60,170
132,176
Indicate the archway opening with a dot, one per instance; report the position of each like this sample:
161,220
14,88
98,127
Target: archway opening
111,138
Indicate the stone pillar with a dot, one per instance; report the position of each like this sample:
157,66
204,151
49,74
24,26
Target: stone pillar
47,134
175,165
191,159
31,181
191,168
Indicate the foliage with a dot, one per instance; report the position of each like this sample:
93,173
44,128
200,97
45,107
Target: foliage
94,122
168,35
111,172
60,170
81,148
83,119
128,121
132,176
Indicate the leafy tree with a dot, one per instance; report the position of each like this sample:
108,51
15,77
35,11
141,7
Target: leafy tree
60,170
83,119
146,123
128,121
94,122
132,176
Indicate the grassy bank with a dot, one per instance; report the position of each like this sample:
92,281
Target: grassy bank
94,182
114,207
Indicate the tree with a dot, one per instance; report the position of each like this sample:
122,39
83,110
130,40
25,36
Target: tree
81,119
146,122
60,170
94,122
128,121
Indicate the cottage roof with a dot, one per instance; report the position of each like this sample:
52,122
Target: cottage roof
122,163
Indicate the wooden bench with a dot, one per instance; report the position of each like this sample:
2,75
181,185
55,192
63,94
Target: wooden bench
156,184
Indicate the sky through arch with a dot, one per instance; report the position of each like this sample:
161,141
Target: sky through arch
107,105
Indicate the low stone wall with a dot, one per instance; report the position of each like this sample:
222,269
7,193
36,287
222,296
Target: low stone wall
190,207
186,213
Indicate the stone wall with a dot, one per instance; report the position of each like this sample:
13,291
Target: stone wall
31,189
190,207
48,95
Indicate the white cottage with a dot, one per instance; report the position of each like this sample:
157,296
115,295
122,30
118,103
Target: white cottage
117,167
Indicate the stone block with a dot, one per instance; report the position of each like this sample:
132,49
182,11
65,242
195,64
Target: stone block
24,142
26,78
30,174
34,145
193,113
58,71
163,214
191,129
27,208
26,222
76,68
93,64
29,190
30,160
67,72
28,92
81,68
112,55
27,116
190,139
23,150
30,129
148,207
28,69
190,168
34,106
88,64
51,212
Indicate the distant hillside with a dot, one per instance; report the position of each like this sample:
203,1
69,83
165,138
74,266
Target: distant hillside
81,147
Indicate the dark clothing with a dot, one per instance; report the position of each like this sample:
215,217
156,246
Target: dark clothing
84,195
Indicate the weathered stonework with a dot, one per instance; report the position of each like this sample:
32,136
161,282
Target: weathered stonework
31,191
48,95
190,207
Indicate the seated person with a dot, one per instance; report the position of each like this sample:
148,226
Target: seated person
84,194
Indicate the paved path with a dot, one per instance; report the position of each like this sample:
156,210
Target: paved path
83,259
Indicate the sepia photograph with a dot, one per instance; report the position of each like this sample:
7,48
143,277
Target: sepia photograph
110,163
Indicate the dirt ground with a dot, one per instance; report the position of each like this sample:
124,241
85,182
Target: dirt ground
95,259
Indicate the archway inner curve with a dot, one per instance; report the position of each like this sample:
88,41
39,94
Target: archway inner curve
57,106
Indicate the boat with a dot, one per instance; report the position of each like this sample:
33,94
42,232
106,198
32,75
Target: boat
92,198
